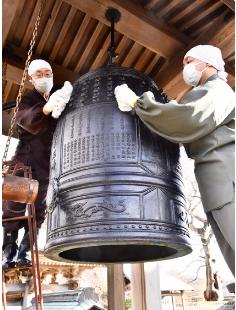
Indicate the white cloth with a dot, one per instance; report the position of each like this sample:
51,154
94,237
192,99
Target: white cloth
58,100
38,64
125,97
58,109
211,55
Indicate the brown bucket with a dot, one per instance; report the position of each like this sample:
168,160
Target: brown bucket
19,189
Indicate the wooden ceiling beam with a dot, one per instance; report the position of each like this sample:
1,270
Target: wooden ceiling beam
151,4
223,34
230,4
170,78
6,121
129,58
144,60
204,11
7,91
204,28
76,42
49,26
122,49
62,35
162,38
15,68
151,64
228,47
14,75
29,33
89,47
167,9
102,55
9,11
184,12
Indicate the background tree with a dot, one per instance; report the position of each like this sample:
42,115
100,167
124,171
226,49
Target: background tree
198,224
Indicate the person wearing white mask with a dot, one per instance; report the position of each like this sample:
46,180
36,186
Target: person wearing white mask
203,120
36,121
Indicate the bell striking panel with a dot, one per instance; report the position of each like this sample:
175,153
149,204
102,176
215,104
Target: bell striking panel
115,191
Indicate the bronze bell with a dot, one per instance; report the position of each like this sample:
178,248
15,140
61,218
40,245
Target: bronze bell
115,192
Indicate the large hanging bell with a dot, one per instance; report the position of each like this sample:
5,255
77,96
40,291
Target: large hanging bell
115,192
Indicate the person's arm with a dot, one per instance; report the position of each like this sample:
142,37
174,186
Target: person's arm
199,113
31,117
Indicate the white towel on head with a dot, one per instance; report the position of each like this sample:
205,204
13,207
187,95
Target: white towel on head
211,55
38,64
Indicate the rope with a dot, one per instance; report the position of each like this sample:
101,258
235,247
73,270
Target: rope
22,84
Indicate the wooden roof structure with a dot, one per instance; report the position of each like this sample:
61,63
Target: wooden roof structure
152,36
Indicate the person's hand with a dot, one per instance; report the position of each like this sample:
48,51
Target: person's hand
58,100
125,97
57,110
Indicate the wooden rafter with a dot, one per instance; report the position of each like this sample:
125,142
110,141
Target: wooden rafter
223,34
207,9
204,28
95,37
76,42
129,59
184,12
125,44
144,60
102,55
161,38
10,10
7,91
167,10
14,75
28,34
151,64
151,4
230,4
65,29
47,30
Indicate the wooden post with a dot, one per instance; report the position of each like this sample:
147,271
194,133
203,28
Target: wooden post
138,291
145,286
173,301
152,285
26,297
4,304
182,298
115,283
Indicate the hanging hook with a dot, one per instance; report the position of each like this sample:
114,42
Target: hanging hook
113,15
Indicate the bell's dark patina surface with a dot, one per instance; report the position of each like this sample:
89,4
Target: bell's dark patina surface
115,192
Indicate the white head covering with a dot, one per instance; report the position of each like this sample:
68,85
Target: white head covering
38,64
211,55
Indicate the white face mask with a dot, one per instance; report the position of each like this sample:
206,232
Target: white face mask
43,85
191,75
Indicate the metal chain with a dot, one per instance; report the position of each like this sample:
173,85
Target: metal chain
19,96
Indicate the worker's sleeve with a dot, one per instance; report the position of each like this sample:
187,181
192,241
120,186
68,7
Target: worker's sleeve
198,114
31,117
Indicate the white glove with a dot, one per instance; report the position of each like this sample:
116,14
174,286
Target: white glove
57,110
59,99
125,97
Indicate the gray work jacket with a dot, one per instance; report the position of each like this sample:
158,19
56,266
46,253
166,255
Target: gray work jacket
203,121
